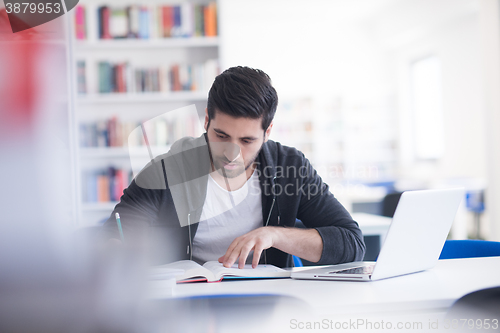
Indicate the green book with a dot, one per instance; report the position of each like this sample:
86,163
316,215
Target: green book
105,84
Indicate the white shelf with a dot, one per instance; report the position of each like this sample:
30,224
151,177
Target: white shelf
101,152
120,152
99,206
151,97
166,43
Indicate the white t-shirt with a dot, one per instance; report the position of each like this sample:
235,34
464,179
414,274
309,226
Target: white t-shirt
225,216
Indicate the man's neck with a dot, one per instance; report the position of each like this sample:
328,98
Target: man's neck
233,184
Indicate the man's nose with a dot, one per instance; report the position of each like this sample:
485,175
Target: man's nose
232,152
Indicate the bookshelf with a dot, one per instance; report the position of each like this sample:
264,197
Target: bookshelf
351,144
133,62
117,152
356,150
149,44
141,98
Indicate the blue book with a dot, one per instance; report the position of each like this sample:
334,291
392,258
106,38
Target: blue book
144,17
91,180
83,135
112,183
99,21
176,29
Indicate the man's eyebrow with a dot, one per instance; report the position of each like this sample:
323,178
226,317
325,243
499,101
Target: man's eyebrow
243,138
221,132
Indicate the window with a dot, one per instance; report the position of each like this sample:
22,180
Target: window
427,109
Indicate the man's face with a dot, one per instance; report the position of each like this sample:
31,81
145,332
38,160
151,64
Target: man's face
234,142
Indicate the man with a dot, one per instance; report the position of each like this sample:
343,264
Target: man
233,195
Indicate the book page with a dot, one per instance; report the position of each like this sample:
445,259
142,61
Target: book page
191,270
260,271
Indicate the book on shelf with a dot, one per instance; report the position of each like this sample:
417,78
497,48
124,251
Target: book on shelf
81,77
103,188
105,185
115,133
104,133
103,22
118,24
199,21
124,78
132,21
210,13
80,23
175,29
166,21
144,18
154,21
213,271
187,19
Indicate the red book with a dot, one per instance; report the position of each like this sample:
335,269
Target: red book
102,188
105,23
176,81
168,20
211,20
120,184
80,26
120,78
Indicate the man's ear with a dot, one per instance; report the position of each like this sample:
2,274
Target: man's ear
268,131
206,120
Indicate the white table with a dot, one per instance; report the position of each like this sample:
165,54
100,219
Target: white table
424,296
435,289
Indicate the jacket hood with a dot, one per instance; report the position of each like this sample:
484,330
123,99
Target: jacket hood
184,171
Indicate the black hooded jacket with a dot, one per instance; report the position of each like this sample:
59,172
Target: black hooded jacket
167,196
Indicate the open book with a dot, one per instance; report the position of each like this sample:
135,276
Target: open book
213,271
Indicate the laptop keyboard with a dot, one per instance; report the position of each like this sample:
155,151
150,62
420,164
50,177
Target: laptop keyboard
356,270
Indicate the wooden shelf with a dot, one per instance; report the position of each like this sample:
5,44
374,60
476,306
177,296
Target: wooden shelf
165,43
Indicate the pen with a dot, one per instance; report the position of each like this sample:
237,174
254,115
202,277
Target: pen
119,225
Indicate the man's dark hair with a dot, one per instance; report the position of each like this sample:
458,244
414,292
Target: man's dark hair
243,92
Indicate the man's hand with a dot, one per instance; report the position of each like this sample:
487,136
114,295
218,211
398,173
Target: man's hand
304,243
257,240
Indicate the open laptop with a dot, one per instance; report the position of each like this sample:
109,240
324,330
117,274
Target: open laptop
413,243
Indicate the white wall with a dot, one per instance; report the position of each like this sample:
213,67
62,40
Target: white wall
490,32
307,47
359,52
317,50
457,44
454,36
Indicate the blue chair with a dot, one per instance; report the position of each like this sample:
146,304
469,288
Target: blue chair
297,262
469,248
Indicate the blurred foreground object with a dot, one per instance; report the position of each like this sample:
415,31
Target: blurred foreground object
481,308
49,282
